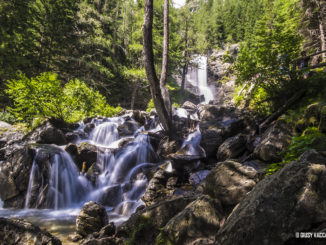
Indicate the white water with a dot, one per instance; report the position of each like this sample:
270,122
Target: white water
197,77
58,185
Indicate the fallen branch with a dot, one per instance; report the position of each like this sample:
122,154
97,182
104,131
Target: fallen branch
284,108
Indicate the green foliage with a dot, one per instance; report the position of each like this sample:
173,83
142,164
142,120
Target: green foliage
265,56
311,138
150,105
44,96
7,117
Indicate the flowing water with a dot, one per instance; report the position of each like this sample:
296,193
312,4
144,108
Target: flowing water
197,77
57,189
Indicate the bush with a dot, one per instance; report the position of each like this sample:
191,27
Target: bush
7,117
311,138
44,96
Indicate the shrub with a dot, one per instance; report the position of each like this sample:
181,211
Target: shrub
44,96
311,138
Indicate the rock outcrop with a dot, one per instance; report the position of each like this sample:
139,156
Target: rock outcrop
292,200
229,182
20,232
199,219
14,177
274,140
92,218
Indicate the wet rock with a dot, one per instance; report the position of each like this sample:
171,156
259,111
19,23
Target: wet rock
199,219
92,218
167,147
140,116
229,182
89,127
107,231
111,196
14,177
83,153
143,226
231,148
47,134
71,137
291,200
189,106
128,128
157,187
20,232
274,140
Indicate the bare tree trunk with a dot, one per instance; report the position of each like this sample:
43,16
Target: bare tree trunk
185,67
133,95
163,110
183,79
164,90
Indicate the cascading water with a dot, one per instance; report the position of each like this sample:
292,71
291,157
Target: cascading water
56,183
197,77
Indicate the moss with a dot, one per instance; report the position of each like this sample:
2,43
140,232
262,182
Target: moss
164,239
143,228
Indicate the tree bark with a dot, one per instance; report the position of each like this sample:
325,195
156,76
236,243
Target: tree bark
163,109
133,95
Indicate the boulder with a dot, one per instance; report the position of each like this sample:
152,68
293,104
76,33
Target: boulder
128,128
219,123
157,188
231,148
229,182
274,140
289,201
47,134
20,232
143,226
81,153
199,219
92,218
14,177
189,106
140,116
310,117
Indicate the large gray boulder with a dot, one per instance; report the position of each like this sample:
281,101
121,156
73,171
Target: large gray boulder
219,123
143,226
229,182
91,219
199,219
47,133
231,148
20,232
14,177
292,200
274,140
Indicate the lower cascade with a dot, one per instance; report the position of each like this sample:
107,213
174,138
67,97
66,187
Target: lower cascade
116,180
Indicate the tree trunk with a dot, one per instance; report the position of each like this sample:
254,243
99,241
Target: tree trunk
133,95
164,90
185,67
163,110
183,80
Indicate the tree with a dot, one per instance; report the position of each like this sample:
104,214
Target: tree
157,87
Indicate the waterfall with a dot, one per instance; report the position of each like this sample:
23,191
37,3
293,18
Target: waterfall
56,183
197,77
